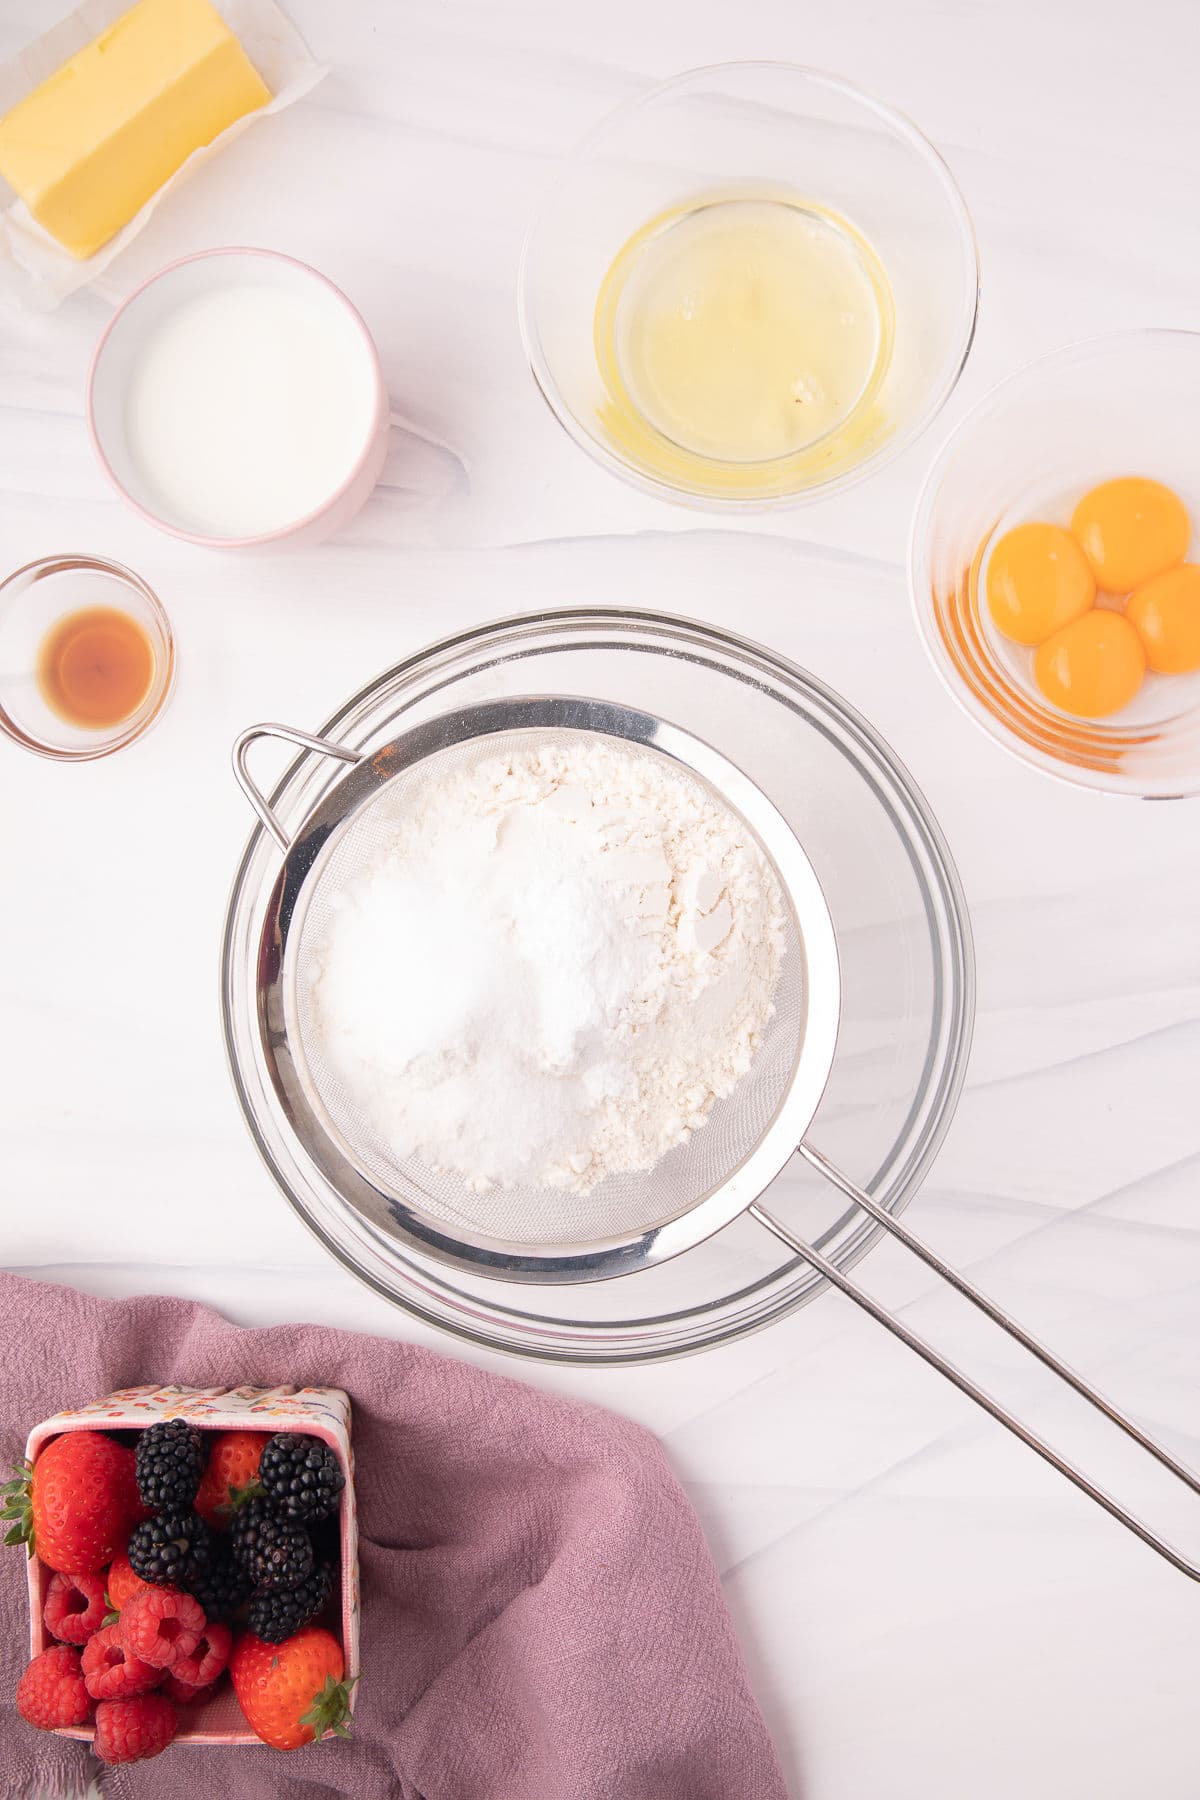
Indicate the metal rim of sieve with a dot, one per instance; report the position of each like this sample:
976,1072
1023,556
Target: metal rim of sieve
399,1212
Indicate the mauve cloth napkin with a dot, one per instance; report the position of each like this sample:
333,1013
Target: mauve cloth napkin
541,1616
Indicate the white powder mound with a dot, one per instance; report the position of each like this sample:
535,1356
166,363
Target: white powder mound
554,966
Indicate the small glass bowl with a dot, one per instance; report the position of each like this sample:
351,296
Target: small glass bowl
746,130
1124,404
32,601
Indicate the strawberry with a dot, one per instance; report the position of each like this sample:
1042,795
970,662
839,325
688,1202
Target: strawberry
122,1583
292,1692
75,1507
51,1692
112,1672
233,1461
74,1609
131,1730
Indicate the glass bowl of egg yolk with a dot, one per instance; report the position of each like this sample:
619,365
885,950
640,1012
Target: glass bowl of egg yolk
1055,564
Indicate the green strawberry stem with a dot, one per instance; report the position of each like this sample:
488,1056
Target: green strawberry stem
330,1709
241,1496
18,1507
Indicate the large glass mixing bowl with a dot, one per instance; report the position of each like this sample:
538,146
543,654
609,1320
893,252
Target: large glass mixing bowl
903,938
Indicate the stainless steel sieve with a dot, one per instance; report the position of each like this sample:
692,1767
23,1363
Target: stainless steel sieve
628,1222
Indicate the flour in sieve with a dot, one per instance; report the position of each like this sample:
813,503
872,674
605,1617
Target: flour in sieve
555,965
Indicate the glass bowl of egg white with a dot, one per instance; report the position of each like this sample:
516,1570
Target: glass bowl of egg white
749,287
1055,564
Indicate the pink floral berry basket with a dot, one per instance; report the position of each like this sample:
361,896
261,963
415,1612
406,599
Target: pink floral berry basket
318,1412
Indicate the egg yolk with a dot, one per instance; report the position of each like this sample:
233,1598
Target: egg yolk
1165,613
1093,666
1038,580
1131,530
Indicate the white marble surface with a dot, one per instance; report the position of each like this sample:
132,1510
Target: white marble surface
927,1611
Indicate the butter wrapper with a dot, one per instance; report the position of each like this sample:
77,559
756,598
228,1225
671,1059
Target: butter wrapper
36,273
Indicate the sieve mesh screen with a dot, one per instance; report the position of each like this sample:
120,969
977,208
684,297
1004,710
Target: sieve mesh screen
525,1217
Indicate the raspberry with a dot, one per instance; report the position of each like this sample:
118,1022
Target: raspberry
161,1626
130,1730
111,1672
74,1609
52,1692
183,1695
123,1584
207,1660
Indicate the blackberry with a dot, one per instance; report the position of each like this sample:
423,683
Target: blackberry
270,1552
170,1461
301,1475
220,1587
275,1613
172,1550
249,1514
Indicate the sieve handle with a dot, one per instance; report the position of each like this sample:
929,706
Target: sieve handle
962,1381
287,735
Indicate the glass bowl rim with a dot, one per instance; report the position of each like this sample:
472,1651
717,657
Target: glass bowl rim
945,1070
1079,350
902,127
141,721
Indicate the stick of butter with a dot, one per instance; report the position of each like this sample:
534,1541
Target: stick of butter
94,142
